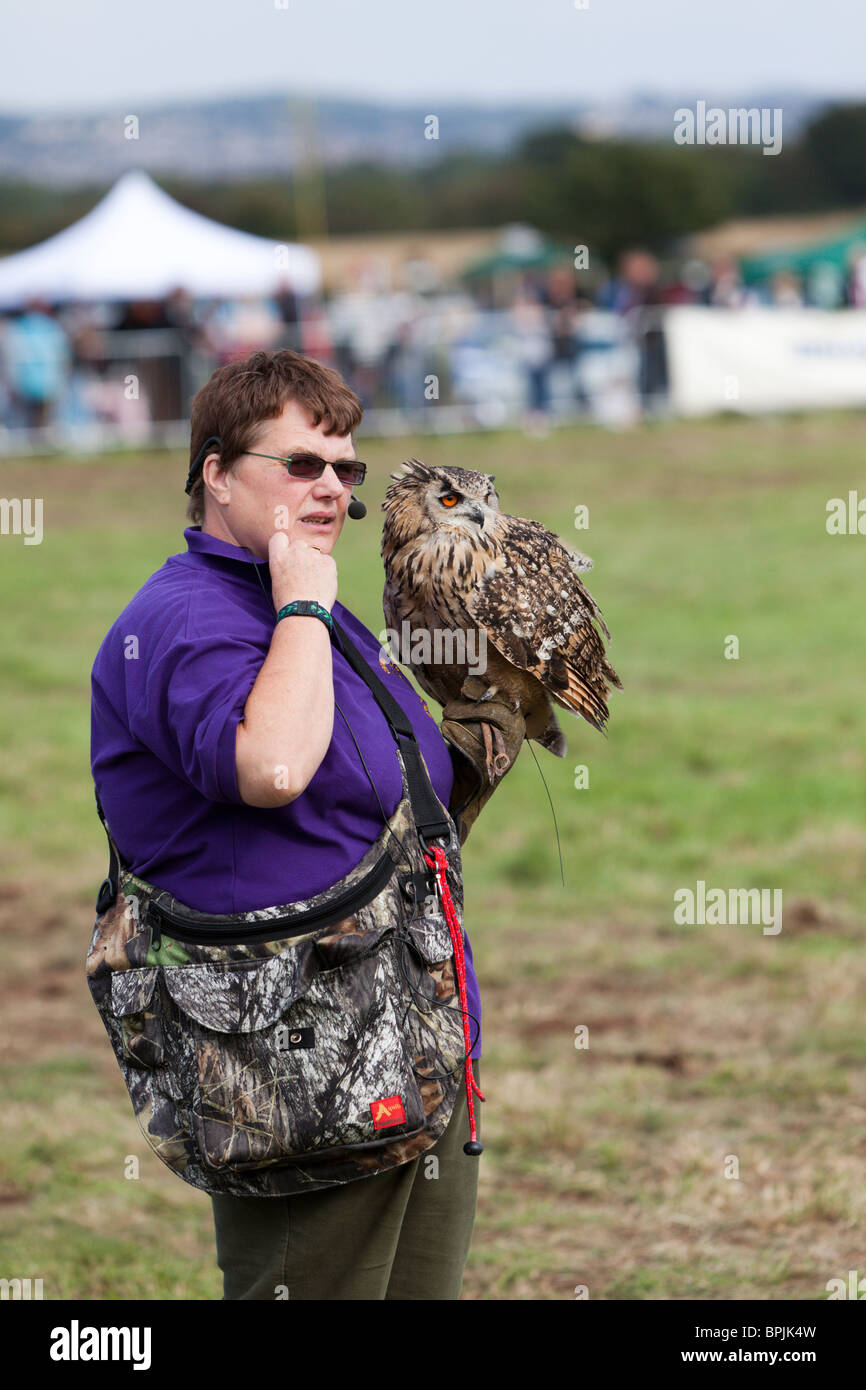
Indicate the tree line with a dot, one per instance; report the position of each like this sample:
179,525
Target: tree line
606,194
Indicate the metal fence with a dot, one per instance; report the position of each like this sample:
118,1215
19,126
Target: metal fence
453,367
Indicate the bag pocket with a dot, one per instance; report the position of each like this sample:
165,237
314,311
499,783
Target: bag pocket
141,1028
278,1060
431,938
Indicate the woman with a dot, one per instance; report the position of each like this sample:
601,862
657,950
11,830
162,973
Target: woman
242,762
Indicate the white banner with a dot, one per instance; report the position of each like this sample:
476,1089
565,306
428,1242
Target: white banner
752,360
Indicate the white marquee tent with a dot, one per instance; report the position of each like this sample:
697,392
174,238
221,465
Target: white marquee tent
138,243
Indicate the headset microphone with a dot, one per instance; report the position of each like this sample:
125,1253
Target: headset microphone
356,509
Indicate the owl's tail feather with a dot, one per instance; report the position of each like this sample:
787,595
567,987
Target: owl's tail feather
581,698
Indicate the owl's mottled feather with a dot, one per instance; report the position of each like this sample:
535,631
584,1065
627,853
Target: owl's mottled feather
537,612
463,564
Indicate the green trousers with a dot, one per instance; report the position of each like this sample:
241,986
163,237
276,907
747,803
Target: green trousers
404,1233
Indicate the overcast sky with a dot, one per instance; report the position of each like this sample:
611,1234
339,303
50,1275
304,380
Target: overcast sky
82,54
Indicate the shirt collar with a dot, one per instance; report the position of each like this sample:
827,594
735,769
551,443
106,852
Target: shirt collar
200,542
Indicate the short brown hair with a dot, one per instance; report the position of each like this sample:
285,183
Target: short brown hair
239,397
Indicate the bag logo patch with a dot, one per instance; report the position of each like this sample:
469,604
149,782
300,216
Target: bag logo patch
387,1111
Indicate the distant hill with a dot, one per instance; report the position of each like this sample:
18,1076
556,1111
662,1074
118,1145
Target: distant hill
244,137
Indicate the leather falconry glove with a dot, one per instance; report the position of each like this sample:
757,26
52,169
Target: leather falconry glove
484,738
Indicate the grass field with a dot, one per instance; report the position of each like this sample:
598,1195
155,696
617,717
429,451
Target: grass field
604,1166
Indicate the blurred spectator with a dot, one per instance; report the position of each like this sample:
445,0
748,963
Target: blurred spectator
825,286
565,310
288,305
138,314
636,294
404,369
37,359
84,326
533,341
303,322
855,282
560,298
238,327
155,363
689,285
180,314
313,334
786,291
637,274
726,289
419,274
697,277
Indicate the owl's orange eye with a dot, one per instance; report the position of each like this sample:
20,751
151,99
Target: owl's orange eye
450,499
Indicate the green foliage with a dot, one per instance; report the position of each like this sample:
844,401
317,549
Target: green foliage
611,194
607,194
835,142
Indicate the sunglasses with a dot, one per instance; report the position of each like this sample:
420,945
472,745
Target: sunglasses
311,466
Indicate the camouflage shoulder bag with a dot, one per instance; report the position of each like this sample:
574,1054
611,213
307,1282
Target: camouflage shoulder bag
304,1045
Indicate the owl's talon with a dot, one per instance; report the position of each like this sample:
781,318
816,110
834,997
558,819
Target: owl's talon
474,688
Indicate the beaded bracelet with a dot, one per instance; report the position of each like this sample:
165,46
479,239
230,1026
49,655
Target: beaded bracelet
307,608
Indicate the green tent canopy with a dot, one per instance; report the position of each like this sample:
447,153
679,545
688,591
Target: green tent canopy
520,248
805,260
504,261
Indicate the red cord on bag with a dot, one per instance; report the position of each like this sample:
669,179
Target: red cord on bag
437,861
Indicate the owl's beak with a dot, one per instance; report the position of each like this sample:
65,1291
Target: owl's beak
475,514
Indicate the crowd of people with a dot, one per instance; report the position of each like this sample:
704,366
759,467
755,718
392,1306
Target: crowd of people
126,363
545,347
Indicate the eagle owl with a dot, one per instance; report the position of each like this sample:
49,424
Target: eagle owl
454,561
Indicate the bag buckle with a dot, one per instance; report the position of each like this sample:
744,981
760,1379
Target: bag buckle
442,840
418,886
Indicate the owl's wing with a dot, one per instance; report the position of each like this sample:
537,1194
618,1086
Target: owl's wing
396,606
391,605
535,610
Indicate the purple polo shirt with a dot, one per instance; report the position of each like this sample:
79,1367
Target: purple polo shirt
169,685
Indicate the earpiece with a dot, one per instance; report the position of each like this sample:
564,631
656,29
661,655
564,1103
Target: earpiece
356,509
210,446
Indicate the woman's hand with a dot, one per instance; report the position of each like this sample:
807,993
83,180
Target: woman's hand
299,570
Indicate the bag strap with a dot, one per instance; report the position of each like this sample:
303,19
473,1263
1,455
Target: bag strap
426,807
109,886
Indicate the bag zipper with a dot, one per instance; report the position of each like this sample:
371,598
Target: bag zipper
358,896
